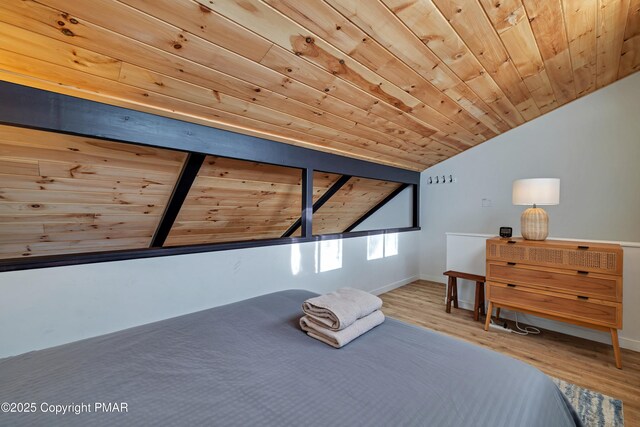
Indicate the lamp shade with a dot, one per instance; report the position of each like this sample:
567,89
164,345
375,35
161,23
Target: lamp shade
536,191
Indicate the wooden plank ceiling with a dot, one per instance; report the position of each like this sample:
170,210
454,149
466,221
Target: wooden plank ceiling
66,194
401,82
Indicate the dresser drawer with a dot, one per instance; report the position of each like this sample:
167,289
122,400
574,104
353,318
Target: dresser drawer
532,300
597,258
584,283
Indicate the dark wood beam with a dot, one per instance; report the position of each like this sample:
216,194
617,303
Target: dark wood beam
378,206
38,109
416,205
29,263
321,201
42,110
307,203
188,174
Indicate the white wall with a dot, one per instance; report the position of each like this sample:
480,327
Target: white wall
46,307
396,213
592,145
467,252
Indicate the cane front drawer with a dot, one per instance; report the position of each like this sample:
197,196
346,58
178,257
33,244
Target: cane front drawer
596,258
571,308
573,282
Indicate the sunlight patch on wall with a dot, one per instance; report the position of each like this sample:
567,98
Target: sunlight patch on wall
328,255
382,246
296,259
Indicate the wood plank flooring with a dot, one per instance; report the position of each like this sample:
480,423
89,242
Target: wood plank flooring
579,361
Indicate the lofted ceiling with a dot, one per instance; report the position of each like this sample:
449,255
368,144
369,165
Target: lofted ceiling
401,82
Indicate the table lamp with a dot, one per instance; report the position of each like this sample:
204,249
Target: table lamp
534,222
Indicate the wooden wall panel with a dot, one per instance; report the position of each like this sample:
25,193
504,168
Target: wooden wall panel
407,83
65,194
357,197
233,200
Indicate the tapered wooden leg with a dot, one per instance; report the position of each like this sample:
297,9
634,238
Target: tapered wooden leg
455,292
486,322
476,305
497,313
616,348
482,310
449,290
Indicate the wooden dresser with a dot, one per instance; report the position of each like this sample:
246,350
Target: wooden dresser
575,282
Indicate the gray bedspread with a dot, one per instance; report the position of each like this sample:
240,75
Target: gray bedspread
249,364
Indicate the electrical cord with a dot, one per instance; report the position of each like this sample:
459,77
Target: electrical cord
527,330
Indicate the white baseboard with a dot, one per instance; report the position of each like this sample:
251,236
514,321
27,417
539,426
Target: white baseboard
394,285
433,278
564,328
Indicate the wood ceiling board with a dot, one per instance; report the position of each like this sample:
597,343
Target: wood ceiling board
150,81
86,209
511,22
179,14
123,95
630,56
581,20
469,20
610,30
417,75
233,200
428,24
145,97
357,197
547,22
234,67
296,39
323,20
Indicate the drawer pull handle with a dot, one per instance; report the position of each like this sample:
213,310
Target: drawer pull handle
582,297
511,263
511,285
583,272
511,241
583,247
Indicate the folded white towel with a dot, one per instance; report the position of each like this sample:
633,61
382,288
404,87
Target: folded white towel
337,310
343,337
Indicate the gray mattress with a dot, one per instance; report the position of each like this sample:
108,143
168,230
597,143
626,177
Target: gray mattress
249,363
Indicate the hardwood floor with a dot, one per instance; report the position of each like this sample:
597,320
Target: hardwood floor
579,361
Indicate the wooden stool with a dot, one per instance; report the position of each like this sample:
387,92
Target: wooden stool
452,291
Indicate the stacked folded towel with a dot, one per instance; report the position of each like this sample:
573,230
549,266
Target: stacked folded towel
341,316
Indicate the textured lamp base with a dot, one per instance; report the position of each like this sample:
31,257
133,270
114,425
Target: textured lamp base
534,224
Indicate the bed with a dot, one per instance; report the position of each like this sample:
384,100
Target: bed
248,363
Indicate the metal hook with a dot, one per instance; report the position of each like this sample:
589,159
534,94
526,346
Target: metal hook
437,180
430,180
450,178
444,180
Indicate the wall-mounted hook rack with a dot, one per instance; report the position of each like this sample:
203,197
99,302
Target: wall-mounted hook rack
441,179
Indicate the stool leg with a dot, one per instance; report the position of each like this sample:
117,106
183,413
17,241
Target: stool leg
476,305
498,313
455,292
449,291
482,310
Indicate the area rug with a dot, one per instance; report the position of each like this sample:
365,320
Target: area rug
594,409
